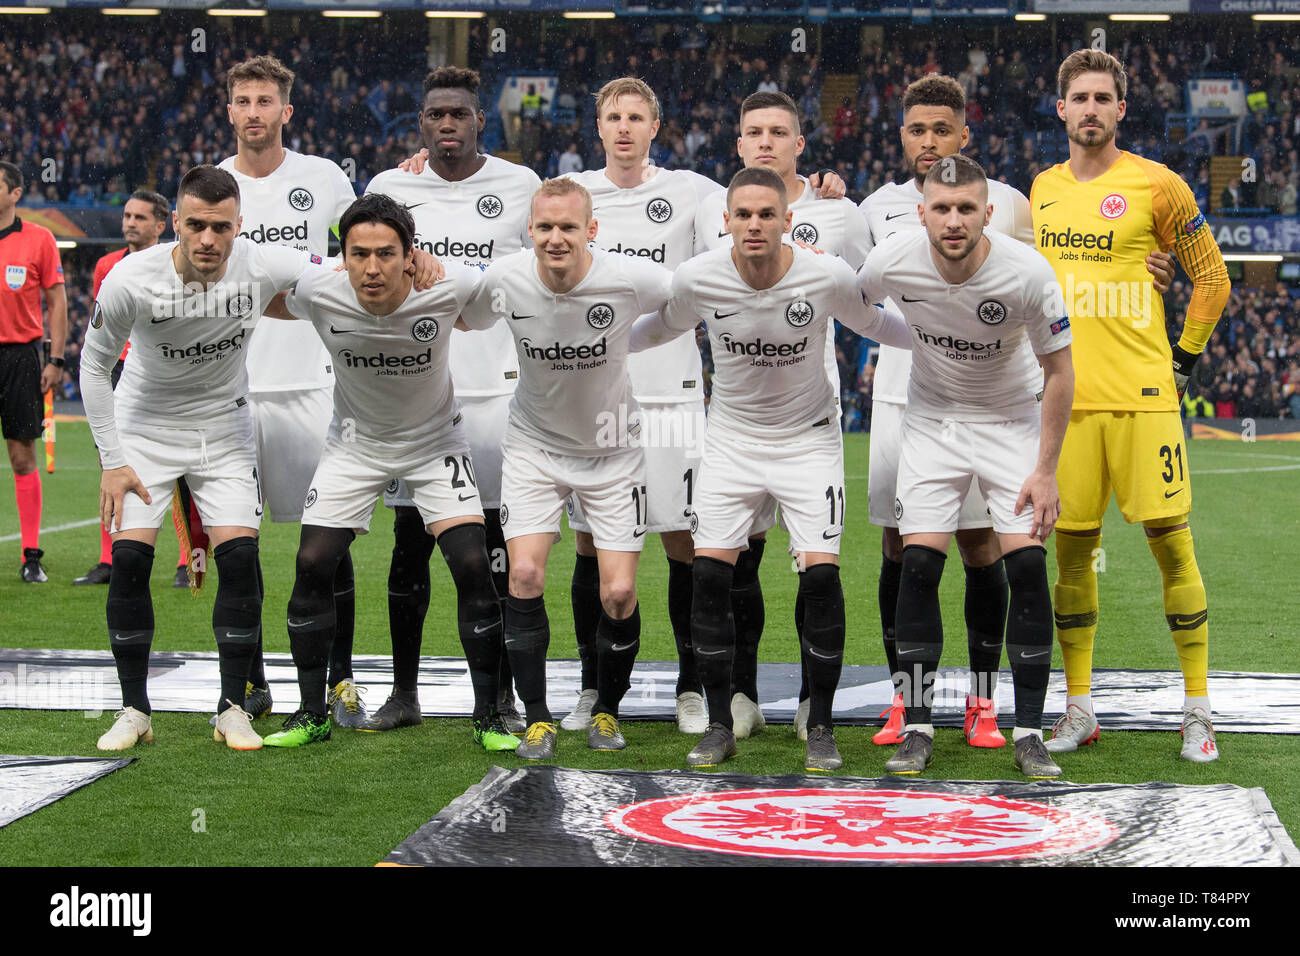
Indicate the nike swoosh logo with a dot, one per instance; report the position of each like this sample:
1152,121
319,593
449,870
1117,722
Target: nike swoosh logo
1046,204
518,317
303,623
895,216
912,650
334,331
1036,654
622,647
829,537
906,299
242,635
415,205
720,315
1170,494
161,321
637,534
710,653
992,647
723,235
824,657
467,497
484,630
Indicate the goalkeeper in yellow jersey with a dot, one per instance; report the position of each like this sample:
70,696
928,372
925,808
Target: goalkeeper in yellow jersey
1095,219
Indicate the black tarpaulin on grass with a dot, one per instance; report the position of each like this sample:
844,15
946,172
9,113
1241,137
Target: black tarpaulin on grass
29,783
554,816
189,682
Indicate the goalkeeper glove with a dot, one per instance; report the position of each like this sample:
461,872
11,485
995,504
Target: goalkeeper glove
1183,363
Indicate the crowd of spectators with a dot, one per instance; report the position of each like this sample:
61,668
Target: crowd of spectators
91,114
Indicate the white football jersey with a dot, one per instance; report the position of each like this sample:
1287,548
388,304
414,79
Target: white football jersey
187,344
392,384
573,380
655,221
295,206
974,344
474,221
835,226
768,379
891,209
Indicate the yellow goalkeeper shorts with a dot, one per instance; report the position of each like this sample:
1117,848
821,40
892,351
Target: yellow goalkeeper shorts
1142,456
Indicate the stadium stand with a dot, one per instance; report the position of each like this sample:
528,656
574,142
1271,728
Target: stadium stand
91,114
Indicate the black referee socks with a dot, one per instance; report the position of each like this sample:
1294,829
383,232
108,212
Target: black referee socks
130,620
236,616
919,629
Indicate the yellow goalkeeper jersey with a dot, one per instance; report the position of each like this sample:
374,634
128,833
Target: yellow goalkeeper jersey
1097,236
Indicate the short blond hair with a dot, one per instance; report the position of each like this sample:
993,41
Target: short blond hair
261,69
563,187
627,86
1090,61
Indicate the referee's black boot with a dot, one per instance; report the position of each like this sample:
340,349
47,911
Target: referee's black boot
32,571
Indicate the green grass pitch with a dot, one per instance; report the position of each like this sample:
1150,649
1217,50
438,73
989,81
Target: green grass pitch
188,800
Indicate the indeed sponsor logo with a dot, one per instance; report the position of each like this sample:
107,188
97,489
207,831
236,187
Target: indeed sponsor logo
202,349
356,360
277,234
955,344
557,351
1069,239
655,254
759,347
446,247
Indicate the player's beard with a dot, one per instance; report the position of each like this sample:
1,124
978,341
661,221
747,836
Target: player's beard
918,173
1091,138
270,136
965,249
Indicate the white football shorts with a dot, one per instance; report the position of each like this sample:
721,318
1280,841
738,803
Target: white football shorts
350,478
611,489
291,428
217,461
739,477
484,421
882,474
940,460
672,435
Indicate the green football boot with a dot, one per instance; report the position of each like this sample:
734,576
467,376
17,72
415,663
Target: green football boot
302,727
491,734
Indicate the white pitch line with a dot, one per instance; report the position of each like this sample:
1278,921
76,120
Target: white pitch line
1244,471
58,527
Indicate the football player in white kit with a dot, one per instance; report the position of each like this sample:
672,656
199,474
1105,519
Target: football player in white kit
574,429
289,199
770,139
933,127
651,213
985,312
180,410
773,433
395,414
472,209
